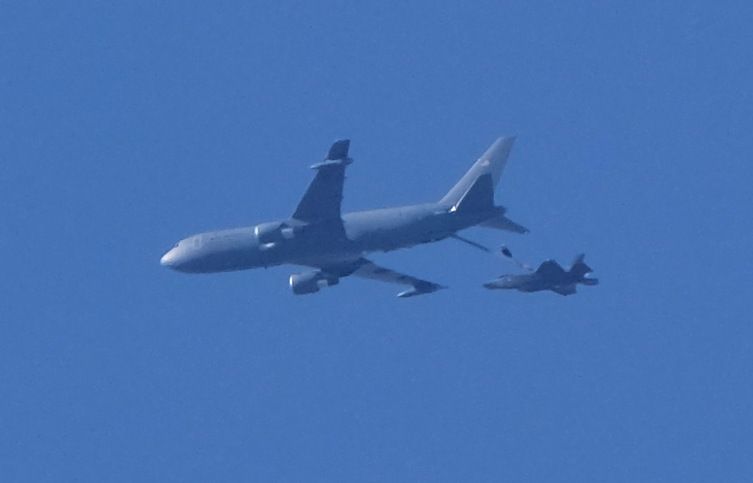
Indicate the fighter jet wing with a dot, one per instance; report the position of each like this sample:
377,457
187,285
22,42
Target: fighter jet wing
565,289
324,195
367,269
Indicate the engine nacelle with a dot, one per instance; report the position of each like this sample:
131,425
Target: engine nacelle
311,282
274,232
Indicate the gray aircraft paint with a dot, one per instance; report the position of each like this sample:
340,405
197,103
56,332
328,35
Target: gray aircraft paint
549,276
318,236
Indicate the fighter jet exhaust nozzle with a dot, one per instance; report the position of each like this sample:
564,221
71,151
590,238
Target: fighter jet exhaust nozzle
311,282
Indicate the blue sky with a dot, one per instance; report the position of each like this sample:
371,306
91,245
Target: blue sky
125,128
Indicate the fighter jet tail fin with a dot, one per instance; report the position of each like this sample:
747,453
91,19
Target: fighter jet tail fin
579,266
491,163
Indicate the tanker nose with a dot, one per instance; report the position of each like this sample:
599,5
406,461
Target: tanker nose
168,259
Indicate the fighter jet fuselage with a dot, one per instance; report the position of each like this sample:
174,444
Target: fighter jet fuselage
549,276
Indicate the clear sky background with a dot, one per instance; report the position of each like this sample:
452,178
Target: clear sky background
125,128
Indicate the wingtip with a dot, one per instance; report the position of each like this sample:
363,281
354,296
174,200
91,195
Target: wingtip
339,149
416,290
507,139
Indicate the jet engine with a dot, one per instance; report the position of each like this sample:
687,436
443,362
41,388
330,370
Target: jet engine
270,234
311,282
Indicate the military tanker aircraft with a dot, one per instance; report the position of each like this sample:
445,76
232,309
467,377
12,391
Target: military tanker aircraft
333,245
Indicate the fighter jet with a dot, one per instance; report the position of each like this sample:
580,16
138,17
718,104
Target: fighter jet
333,245
549,276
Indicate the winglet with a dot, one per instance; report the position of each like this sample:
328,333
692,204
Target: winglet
337,155
339,149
